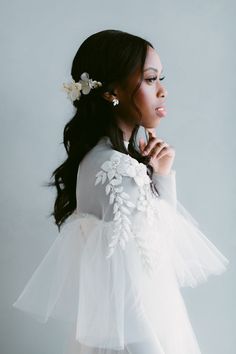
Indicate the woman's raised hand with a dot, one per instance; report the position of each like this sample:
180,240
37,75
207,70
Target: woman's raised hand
162,154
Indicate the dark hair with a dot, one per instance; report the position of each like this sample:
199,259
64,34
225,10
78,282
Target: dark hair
109,56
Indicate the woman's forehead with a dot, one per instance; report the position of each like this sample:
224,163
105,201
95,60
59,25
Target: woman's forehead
153,61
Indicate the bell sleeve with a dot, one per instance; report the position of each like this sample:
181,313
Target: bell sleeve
166,185
194,257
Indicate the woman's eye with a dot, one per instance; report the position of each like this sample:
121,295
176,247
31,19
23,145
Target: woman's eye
151,79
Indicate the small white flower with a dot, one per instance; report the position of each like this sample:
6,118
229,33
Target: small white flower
110,166
141,176
127,167
73,90
85,85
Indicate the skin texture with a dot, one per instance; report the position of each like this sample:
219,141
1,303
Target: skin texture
150,95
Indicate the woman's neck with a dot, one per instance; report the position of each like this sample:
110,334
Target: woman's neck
126,127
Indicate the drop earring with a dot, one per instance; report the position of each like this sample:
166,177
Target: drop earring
115,101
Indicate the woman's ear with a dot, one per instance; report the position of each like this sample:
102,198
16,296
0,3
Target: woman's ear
109,96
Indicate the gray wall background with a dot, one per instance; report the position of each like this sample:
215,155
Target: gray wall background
196,43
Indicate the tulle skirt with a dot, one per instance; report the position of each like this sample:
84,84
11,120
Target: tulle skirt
113,305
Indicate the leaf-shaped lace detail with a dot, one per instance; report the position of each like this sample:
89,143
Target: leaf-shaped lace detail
148,204
112,171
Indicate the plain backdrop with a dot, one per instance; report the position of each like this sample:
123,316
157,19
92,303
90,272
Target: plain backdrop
196,44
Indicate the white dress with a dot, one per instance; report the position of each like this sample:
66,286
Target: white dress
115,270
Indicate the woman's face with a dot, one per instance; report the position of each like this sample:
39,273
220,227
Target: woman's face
150,95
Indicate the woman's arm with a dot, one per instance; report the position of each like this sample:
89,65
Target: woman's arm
166,185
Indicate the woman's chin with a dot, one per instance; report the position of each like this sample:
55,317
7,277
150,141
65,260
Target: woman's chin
152,125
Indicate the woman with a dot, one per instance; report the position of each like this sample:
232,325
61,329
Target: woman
127,244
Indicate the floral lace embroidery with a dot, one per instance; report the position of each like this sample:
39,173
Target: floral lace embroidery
113,170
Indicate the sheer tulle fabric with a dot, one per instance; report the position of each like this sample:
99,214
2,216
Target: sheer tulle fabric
112,303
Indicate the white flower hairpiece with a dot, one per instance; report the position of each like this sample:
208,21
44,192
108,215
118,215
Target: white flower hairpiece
74,89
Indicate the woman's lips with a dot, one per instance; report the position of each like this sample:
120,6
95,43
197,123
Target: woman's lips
161,111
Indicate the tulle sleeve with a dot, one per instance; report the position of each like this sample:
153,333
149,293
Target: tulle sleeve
194,256
166,185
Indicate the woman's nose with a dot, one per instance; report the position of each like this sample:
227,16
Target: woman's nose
162,92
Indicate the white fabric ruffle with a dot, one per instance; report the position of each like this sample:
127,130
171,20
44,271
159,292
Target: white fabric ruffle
110,302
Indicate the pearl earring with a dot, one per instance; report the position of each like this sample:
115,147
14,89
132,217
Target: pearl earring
115,101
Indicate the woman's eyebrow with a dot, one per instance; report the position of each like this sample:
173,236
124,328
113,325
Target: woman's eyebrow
151,68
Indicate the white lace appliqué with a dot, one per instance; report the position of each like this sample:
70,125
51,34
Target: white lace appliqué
113,170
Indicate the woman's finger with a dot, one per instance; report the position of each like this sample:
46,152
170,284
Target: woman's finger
158,152
158,148
152,144
142,144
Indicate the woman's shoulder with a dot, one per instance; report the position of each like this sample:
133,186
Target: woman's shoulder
101,152
104,159
104,152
